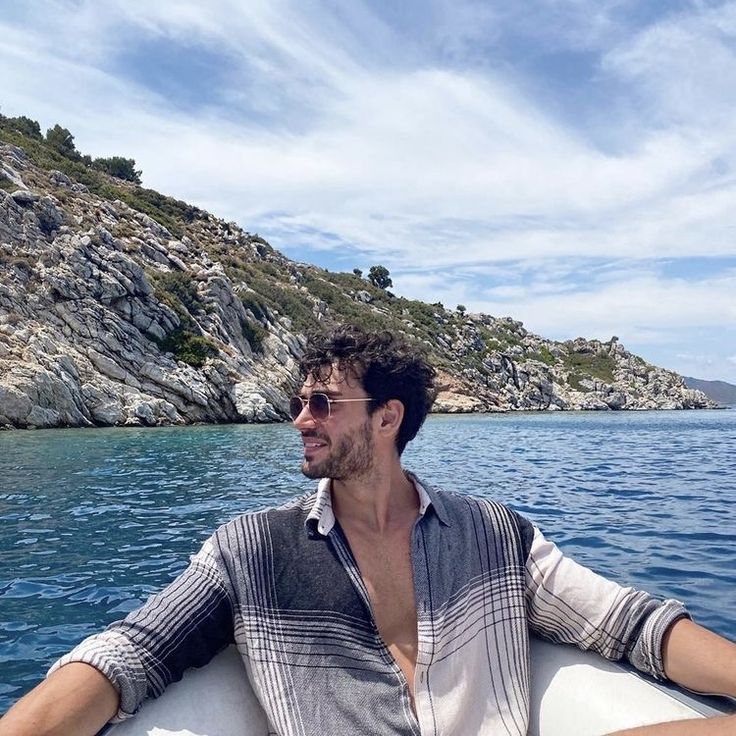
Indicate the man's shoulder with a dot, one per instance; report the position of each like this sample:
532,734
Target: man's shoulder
461,502
465,508
473,523
252,527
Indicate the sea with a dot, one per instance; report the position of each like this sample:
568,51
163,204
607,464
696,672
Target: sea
95,520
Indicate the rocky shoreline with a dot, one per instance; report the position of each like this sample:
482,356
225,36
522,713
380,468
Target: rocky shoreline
114,316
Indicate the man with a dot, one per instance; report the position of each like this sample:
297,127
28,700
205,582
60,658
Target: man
377,604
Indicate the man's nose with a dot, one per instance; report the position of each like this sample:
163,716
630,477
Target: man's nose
304,417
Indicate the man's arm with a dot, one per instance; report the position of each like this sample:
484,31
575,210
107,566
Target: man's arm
77,700
112,672
569,603
702,661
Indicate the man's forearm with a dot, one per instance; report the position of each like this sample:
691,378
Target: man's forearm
76,699
700,660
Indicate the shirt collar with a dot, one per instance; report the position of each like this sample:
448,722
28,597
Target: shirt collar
321,517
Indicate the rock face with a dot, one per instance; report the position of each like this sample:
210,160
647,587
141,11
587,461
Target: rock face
108,317
532,373
83,326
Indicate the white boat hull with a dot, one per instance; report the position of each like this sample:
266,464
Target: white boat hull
572,692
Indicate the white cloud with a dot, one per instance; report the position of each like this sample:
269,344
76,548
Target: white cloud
630,308
709,367
642,304
683,66
444,156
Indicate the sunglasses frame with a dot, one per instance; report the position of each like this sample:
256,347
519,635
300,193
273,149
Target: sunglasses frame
330,401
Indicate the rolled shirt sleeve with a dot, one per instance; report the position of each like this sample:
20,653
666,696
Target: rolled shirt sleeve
183,626
568,603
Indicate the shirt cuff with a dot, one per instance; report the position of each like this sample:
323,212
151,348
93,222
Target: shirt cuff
646,653
111,654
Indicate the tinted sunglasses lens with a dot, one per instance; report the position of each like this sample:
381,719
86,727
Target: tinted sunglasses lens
295,407
319,407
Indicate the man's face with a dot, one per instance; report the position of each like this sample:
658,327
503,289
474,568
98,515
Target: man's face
340,447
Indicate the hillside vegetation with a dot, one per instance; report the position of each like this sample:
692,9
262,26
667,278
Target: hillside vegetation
120,305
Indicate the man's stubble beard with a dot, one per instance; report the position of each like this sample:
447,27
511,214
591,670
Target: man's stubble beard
351,457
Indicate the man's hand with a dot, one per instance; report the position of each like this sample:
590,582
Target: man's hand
702,661
76,699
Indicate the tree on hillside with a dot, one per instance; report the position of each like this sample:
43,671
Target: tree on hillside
122,168
27,126
379,276
63,141
358,273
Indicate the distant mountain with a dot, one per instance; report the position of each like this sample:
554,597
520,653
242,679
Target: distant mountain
718,391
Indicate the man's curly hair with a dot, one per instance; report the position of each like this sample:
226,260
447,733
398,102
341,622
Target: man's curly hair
387,366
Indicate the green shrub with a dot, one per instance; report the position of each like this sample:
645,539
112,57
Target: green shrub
574,379
543,355
379,276
26,126
169,212
119,167
62,141
347,281
420,313
254,333
286,300
188,347
251,302
344,308
325,291
177,289
594,365
271,270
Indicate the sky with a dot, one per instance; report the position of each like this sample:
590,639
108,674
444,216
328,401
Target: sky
568,163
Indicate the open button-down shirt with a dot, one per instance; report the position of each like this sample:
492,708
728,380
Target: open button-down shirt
283,585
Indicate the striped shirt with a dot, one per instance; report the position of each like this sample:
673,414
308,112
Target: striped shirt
283,585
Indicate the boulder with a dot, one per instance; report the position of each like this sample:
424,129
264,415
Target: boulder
24,197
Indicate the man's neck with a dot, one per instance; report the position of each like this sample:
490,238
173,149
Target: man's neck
377,502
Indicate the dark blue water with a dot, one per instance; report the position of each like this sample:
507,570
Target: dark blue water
93,521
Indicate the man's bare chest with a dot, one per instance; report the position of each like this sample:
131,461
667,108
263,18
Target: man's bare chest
386,569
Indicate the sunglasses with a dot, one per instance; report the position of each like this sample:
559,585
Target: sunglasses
319,405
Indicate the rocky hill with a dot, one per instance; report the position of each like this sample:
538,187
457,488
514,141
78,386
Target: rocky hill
120,306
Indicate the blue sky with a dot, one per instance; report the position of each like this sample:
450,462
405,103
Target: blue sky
571,164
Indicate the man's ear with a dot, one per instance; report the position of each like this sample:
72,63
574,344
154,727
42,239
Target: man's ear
391,414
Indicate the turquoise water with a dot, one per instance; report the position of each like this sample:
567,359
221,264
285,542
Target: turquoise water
93,521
